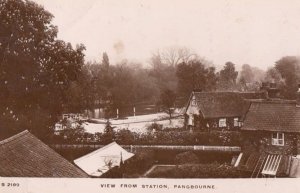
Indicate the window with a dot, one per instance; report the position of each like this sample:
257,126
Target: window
236,122
191,120
278,139
222,122
194,102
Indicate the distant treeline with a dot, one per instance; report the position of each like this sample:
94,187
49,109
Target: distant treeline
42,76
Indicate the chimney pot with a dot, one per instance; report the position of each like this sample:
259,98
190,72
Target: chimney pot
298,96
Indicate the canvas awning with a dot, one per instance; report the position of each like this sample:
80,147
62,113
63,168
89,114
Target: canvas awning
271,165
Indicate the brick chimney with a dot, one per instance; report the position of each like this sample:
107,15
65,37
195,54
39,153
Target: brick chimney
298,96
264,88
271,90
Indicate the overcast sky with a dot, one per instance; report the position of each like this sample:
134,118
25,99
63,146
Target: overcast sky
255,32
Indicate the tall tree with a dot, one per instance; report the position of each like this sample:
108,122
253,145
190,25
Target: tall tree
36,68
227,77
167,100
194,75
289,69
163,72
246,78
273,75
173,56
105,60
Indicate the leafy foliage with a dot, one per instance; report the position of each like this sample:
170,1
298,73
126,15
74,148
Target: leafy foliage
186,158
167,100
250,78
194,75
36,69
133,167
289,69
157,137
109,133
227,77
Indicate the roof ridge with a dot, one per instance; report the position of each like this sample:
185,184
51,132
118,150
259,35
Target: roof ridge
279,101
14,137
218,92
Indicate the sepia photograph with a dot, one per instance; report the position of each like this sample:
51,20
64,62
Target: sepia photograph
140,95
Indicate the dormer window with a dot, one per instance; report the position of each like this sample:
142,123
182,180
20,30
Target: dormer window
278,139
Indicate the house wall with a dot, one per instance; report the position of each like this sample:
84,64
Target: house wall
214,123
261,141
205,124
194,119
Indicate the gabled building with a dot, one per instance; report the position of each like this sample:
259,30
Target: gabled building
271,137
217,110
273,127
24,155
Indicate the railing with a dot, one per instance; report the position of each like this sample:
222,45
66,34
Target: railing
133,148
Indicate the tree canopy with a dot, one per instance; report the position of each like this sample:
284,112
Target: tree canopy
194,75
227,77
36,68
289,69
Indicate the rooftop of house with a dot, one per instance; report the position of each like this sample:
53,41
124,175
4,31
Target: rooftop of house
223,104
261,95
24,155
273,115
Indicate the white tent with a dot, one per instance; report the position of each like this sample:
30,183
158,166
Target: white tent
101,160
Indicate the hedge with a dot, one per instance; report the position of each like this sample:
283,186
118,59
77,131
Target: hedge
213,170
159,137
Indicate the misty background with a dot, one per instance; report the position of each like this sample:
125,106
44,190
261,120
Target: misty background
61,57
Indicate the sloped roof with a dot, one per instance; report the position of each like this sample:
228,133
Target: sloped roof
253,95
24,155
273,116
271,165
96,163
221,104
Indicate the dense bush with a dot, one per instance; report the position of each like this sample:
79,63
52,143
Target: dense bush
186,158
133,167
154,137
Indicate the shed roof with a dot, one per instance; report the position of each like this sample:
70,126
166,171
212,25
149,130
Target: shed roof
221,104
24,155
103,159
278,115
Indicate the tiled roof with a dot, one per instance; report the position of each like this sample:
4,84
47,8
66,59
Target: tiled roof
253,95
24,155
273,116
221,104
